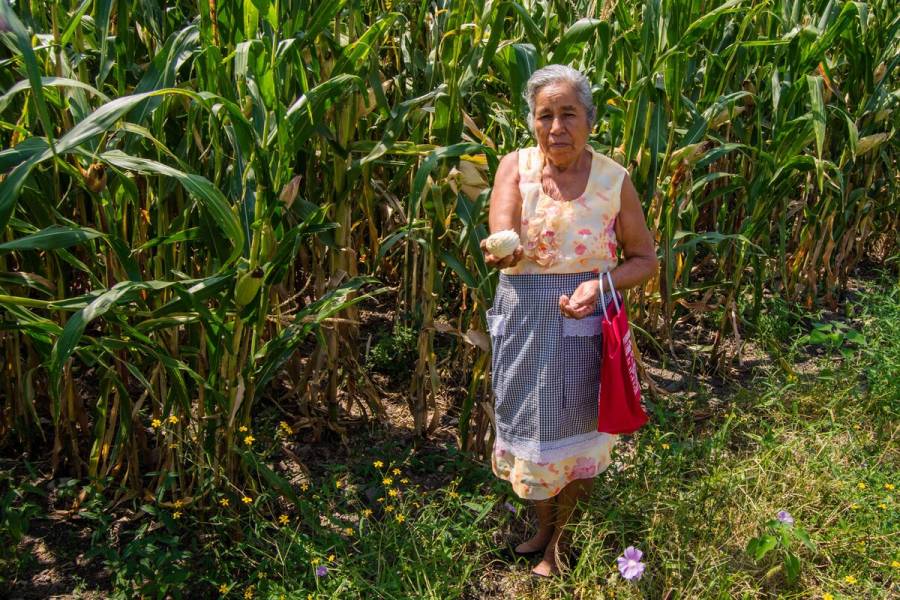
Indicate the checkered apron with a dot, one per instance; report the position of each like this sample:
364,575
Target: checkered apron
545,368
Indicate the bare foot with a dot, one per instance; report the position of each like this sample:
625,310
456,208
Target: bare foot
554,553
537,543
546,568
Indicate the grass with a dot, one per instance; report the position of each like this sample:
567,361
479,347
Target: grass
690,491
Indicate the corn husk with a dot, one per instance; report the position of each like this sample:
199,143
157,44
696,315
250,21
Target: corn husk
470,177
871,142
502,243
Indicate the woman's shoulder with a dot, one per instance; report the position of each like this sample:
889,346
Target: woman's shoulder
521,154
512,158
528,161
509,163
609,164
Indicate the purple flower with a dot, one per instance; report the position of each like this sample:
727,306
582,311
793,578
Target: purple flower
785,517
630,565
509,506
321,571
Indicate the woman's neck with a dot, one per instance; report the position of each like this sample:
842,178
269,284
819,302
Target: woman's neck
563,165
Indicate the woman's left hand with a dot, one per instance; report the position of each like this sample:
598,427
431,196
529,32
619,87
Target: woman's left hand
583,301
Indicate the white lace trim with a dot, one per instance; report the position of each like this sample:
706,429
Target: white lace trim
555,451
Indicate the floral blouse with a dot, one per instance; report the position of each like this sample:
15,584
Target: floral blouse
568,236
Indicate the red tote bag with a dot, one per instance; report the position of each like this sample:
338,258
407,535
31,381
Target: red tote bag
620,409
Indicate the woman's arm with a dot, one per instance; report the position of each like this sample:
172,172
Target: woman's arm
505,208
637,244
638,248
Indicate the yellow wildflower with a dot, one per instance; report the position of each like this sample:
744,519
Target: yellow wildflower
387,481
882,506
338,484
889,486
388,508
173,419
246,499
248,593
861,485
224,501
850,579
172,446
348,530
331,558
223,589
393,492
404,480
400,518
367,512
827,596
285,427
242,428
284,519
304,486
454,495
178,504
176,514
854,506
377,464
249,439
155,423
665,446
396,471
309,597
857,427
895,564
381,499
315,561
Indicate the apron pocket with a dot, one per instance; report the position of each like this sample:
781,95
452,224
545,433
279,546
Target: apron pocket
496,324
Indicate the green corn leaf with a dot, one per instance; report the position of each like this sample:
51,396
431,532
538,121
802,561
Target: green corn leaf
23,42
850,13
320,19
49,82
817,105
699,27
572,42
208,195
459,268
74,22
68,340
51,238
354,55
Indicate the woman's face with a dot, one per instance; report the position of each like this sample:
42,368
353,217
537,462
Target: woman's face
560,123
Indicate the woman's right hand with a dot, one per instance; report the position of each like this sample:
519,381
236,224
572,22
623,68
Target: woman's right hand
505,209
506,261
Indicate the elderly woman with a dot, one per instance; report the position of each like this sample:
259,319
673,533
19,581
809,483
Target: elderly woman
573,208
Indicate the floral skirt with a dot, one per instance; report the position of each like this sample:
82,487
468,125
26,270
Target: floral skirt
540,481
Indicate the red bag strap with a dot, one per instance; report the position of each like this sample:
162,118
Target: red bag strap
612,291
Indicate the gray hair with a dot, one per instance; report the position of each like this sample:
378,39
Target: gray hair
556,74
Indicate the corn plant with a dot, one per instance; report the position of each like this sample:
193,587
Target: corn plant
196,197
